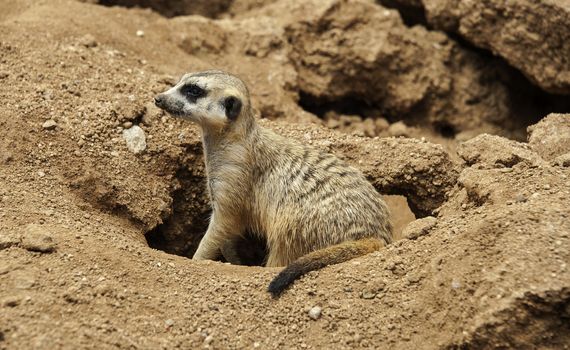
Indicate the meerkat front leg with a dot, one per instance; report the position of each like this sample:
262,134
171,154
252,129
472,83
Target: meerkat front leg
209,247
211,244
217,241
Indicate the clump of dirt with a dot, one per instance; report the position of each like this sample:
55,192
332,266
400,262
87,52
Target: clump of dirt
93,177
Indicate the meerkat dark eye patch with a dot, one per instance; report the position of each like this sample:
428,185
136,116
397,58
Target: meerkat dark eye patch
232,105
192,92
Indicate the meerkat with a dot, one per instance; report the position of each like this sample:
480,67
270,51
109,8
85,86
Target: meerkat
311,208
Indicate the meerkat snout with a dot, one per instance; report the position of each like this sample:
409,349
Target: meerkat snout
159,100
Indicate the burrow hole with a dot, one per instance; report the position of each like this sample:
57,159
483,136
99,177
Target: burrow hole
181,232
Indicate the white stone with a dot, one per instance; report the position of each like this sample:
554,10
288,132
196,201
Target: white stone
315,312
135,138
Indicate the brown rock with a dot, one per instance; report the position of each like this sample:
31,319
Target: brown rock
38,238
343,49
563,160
550,137
521,31
495,151
8,240
398,129
419,227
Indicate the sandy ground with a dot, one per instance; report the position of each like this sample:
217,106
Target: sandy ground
95,239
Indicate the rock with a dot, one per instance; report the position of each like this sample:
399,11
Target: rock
127,124
49,124
550,137
135,138
494,152
518,30
398,129
381,124
563,160
8,240
368,294
140,33
38,239
315,312
419,227
169,323
88,41
343,49
413,278
520,198
369,127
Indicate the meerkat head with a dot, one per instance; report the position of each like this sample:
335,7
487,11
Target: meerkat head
212,99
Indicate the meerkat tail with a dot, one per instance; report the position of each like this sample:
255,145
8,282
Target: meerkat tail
318,259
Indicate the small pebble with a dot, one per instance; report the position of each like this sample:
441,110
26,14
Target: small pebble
315,312
8,240
140,33
49,124
398,129
169,323
368,294
38,239
419,227
135,138
88,41
413,278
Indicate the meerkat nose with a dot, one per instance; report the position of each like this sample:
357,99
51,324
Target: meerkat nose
158,100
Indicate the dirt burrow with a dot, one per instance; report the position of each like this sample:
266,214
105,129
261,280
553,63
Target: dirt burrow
75,202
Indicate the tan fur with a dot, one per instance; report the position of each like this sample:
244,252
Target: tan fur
298,198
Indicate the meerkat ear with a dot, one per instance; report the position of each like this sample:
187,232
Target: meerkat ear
233,107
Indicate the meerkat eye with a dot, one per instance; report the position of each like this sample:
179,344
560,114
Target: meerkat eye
193,90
